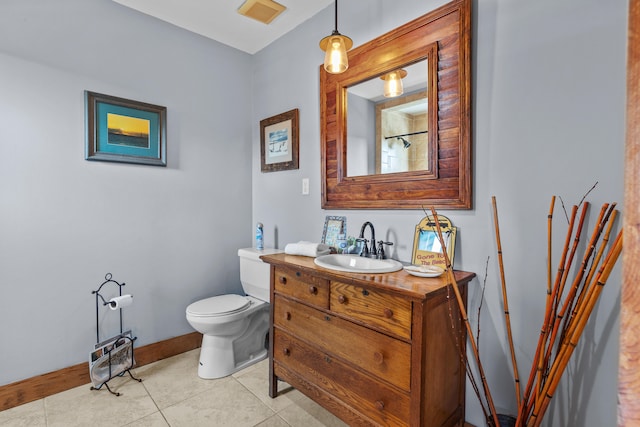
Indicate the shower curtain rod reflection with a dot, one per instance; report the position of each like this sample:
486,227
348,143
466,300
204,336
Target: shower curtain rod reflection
406,134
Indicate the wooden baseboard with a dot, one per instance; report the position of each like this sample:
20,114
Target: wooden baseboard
35,388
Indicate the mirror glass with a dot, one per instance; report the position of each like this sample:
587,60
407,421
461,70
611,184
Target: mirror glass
388,134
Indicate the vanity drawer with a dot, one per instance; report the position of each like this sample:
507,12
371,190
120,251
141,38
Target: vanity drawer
302,286
379,310
383,356
382,403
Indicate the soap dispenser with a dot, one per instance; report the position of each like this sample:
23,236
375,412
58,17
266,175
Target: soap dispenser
259,237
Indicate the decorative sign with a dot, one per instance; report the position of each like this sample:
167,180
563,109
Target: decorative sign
427,249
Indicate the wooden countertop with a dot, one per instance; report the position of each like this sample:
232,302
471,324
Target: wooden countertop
399,281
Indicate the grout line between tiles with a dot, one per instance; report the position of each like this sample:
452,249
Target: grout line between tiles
155,403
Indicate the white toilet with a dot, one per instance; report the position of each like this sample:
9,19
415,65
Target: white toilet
235,327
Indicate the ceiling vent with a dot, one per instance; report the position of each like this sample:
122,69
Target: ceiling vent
264,11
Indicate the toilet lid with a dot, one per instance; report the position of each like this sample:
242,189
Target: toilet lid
218,306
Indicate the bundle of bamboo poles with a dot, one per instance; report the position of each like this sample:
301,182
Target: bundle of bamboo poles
566,314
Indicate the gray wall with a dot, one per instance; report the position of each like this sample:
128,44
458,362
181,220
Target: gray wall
548,119
170,234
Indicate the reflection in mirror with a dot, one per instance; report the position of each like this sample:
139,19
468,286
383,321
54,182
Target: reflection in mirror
387,123
401,134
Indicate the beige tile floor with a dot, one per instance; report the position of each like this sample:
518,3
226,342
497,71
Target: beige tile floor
172,394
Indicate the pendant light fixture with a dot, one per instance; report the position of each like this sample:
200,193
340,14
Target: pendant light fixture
393,83
336,46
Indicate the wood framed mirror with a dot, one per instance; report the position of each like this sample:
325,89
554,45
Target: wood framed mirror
426,159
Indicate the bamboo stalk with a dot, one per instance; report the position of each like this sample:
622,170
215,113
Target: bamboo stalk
603,218
465,319
463,356
558,316
577,327
549,239
554,321
563,271
505,301
565,316
540,349
476,389
574,333
597,258
572,253
522,413
562,319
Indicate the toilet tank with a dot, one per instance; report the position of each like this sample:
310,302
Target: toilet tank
255,274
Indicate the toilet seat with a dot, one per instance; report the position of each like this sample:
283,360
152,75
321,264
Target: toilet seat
221,305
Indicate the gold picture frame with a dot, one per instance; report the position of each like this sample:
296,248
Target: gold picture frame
279,142
427,249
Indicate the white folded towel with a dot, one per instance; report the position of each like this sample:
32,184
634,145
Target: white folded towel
307,249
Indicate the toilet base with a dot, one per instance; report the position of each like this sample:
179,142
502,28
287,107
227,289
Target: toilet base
221,356
218,362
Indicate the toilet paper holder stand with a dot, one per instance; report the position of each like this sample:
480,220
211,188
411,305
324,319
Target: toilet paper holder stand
106,361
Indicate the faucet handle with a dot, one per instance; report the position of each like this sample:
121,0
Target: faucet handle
381,254
365,249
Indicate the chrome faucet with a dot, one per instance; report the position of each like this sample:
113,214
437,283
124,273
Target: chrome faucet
365,249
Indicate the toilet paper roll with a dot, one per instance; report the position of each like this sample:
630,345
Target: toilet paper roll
120,302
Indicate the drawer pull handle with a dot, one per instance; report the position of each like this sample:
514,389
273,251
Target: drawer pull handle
283,280
378,357
286,351
313,290
342,299
287,316
388,313
379,405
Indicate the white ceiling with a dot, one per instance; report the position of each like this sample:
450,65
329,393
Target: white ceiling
220,21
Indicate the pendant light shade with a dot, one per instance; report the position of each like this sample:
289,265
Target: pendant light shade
335,57
393,83
336,46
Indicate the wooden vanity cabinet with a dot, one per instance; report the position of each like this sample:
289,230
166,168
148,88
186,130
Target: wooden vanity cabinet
373,349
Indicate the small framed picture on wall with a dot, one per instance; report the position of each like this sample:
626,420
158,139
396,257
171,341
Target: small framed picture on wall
122,130
279,142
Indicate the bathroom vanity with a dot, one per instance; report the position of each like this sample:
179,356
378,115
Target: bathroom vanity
373,349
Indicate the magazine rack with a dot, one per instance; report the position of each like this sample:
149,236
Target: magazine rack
114,356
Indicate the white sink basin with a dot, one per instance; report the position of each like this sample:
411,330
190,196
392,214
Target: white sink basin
357,264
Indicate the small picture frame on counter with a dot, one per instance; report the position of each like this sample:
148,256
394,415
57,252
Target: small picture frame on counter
334,228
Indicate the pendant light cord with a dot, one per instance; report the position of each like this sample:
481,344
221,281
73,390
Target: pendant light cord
335,30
